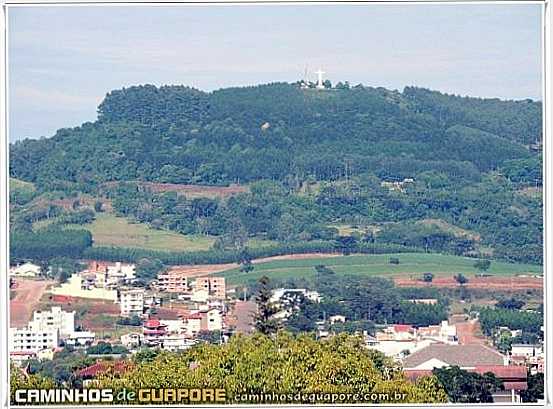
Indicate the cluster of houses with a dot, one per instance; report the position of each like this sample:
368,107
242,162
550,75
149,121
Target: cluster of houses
45,334
207,313
200,309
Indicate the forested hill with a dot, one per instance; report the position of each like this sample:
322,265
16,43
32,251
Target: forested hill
279,131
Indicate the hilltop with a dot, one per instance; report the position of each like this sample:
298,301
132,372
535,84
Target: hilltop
281,170
177,134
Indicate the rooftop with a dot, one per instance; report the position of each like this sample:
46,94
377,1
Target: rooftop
464,356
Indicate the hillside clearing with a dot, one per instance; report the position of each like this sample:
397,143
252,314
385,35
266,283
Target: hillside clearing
109,230
378,265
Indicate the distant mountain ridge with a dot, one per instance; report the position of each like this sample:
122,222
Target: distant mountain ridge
278,131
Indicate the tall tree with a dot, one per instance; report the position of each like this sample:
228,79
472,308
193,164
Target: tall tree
264,321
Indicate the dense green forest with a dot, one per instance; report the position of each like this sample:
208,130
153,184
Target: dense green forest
312,160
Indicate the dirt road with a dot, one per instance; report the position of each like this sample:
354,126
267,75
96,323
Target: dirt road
488,283
27,296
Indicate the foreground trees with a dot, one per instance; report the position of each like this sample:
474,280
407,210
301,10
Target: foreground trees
283,364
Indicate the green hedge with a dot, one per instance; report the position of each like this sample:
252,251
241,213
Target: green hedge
214,256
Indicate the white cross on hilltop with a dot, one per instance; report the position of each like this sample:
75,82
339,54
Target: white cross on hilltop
320,78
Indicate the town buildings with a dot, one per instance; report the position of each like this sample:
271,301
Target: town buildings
56,319
215,286
172,281
131,301
473,358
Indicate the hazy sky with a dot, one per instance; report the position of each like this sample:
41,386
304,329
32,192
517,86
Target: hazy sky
63,60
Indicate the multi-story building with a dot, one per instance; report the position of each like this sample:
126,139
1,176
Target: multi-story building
131,301
55,319
154,332
215,286
30,340
172,281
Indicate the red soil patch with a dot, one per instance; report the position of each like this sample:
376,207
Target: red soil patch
467,332
202,270
27,296
487,283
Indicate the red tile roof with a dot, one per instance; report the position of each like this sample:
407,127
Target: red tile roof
513,376
503,371
101,367
414,374
402,328
152,324
517,386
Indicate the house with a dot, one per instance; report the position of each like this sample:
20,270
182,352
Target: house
464,356
90,373
336,318
212,320
193,324
177,342
172,281
174,326
131,301
445,333
514,380
20,357
427,301
132,340
279,293
526,350
154,332
215,286
25,270
397,332
80,338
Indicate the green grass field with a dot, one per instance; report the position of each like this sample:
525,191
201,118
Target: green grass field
17,184
109,230
378,265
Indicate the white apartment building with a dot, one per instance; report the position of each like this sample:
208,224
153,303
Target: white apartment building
55,319
29,340
131,301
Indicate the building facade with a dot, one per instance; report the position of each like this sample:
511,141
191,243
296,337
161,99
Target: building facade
131,301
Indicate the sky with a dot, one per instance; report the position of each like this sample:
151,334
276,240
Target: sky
62,60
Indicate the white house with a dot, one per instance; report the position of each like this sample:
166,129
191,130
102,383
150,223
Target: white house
336,318
213,320
25,270
278,293
80,338
132,340
526,350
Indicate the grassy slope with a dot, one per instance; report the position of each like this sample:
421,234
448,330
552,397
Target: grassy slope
16,184
373,265
109,230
